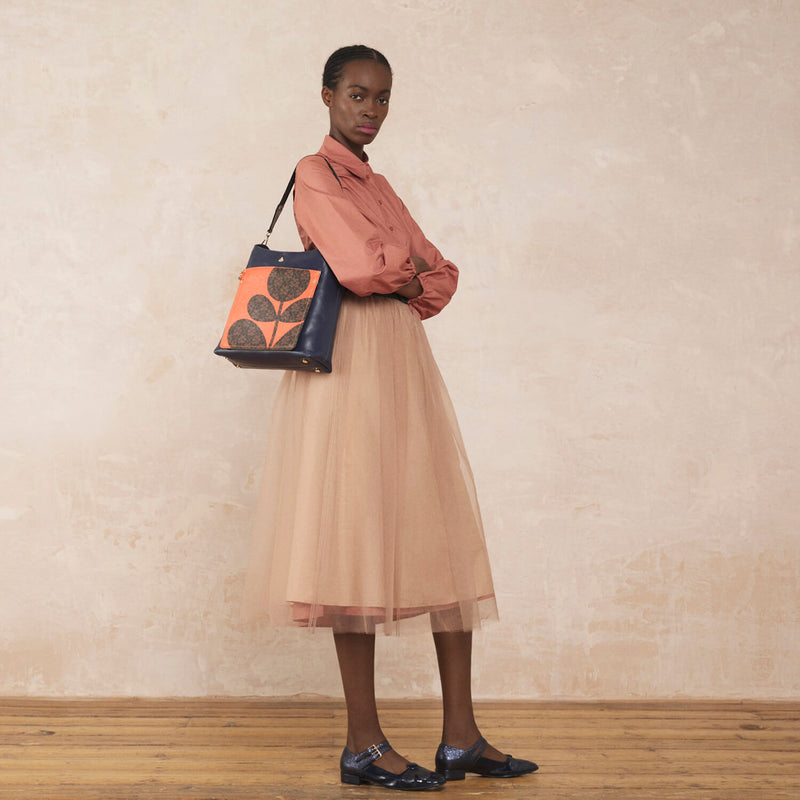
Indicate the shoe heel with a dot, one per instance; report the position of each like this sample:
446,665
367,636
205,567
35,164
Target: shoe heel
354,779
452,774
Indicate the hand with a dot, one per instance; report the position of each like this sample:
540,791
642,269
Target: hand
421,265
411,290
414,287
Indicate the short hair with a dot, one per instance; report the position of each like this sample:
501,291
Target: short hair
334,66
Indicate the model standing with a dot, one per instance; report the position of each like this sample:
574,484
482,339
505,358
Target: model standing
368,513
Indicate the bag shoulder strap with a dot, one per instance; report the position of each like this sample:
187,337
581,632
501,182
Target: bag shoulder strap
285,197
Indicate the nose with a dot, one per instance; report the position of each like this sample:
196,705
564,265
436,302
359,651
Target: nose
371,110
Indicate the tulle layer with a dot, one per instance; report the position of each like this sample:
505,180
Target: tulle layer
368,513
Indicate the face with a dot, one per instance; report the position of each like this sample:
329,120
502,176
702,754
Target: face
359,104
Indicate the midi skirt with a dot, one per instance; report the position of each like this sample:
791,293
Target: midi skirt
367,513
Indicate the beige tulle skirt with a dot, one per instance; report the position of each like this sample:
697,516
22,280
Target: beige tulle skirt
368,513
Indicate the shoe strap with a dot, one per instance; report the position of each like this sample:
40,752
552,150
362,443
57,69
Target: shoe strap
373,753
479,747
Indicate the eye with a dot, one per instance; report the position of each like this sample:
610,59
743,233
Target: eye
384,101
355,97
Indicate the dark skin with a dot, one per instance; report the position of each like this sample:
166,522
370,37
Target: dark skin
358,107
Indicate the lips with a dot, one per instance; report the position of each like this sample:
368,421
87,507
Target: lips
370,130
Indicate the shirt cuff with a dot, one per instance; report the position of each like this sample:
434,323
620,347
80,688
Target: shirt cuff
405,266
423,278
419,303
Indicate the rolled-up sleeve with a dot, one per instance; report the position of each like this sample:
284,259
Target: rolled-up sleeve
352,245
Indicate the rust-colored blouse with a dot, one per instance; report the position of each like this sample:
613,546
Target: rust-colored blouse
364,231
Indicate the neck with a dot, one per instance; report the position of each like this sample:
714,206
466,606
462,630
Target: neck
356,150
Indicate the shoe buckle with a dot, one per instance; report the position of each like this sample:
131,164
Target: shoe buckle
375,751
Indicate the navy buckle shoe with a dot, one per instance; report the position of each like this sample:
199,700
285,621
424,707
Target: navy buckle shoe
359,768
453,763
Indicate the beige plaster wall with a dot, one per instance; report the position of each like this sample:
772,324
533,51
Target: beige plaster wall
618,182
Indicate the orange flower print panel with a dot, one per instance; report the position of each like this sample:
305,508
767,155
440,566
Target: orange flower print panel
270,308
260,307
285,337
285,283
246,335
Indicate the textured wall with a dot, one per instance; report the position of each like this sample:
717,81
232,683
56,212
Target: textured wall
618,182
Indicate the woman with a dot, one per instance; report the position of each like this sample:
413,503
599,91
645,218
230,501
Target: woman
368,513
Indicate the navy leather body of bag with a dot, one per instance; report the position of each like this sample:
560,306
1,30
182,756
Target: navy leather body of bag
285,311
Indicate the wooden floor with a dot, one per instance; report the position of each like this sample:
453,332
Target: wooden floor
218,748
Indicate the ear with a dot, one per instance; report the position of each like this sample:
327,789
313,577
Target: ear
327,96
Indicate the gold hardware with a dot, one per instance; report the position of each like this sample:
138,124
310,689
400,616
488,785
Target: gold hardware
304,360
317,369
374,750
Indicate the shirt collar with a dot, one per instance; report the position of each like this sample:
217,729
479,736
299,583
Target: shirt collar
337,153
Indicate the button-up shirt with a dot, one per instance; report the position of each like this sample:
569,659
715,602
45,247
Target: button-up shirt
364,231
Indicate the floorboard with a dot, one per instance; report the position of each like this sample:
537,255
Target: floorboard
257,749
